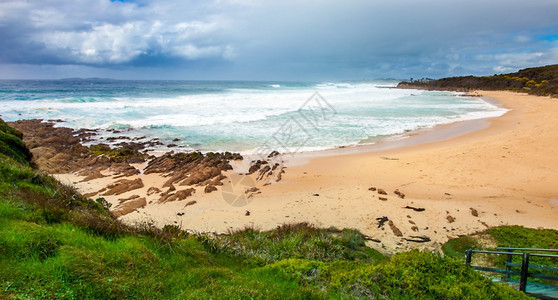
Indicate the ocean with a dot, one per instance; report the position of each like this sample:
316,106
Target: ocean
239,116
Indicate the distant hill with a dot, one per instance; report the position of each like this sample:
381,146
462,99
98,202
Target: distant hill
542,81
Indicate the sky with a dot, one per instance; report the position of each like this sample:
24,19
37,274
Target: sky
274,40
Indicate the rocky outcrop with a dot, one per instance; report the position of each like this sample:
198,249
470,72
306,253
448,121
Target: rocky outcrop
59,150
122,186
195,168
177,196
268,170
128,205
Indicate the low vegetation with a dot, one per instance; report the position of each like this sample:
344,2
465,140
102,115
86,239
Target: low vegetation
508,236
57,244
541,81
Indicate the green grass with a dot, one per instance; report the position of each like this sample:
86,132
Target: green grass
297,241
455,248
57,244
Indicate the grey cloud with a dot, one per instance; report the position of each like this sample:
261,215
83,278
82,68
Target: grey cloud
279,39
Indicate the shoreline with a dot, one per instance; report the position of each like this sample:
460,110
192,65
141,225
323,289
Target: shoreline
495,175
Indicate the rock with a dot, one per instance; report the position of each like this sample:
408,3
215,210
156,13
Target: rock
398,193
153,190
382,192
128,199
273,154
180,214
316,195
382,198
178,196
128,206
209,188
94,174
247,213
450,219
474,212
252,190
255,166
414,228
373,189
395,230
121,186
264,172
190,203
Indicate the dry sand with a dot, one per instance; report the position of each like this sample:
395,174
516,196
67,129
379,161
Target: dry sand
505,168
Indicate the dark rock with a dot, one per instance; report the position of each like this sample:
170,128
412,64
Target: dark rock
474,212
382,192
394,228
398,193
190,203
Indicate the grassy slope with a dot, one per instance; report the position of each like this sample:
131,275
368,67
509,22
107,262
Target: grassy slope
54,243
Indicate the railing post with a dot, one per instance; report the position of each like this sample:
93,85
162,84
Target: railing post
524,272
468,254
508,266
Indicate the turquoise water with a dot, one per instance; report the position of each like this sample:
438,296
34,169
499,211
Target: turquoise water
239,115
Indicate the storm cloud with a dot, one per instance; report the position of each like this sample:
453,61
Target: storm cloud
240,39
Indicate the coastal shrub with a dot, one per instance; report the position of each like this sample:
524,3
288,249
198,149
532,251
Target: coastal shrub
409,275
456,248
300,240
13,147
522,237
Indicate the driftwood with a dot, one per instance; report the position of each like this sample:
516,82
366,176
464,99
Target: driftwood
381,221
367,238
415,208
418,239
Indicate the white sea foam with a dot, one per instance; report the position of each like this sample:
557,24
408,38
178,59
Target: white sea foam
241,117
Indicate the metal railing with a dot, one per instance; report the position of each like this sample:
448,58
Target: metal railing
526,254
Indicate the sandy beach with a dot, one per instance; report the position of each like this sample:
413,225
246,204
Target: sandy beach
456,180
